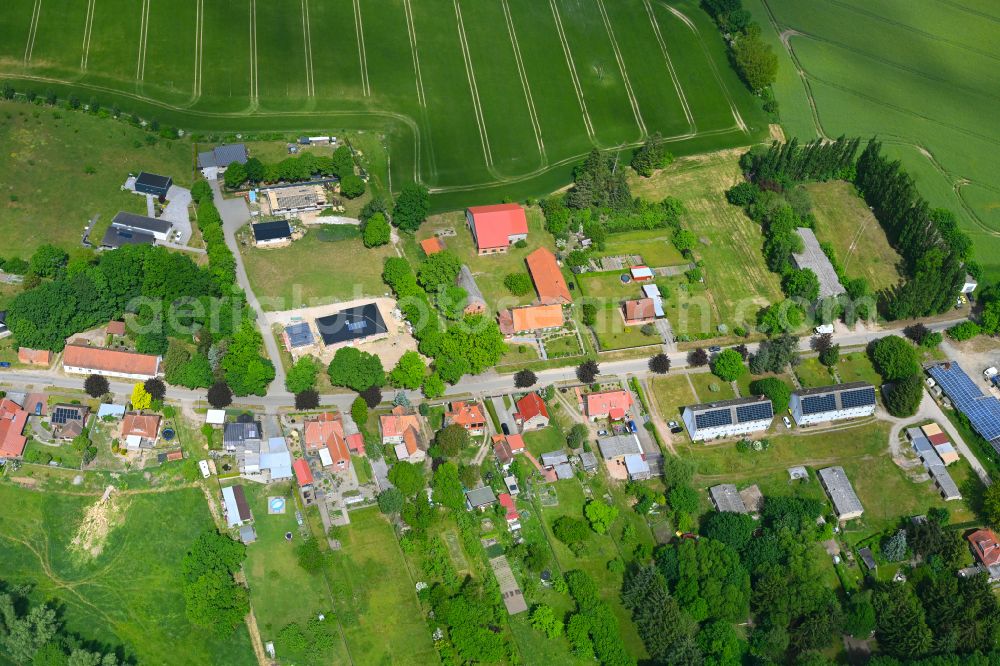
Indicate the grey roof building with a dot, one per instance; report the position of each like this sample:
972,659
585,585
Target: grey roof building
157,228
813,258
222,156
725,497
617,446
554,458
934,464
846,504
151,183
637,467
116,237
833,403
564,471
480,498
588,461
242,435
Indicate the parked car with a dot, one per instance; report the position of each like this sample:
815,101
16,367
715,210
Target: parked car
672,424
602,433
4,364
676,429
787,421
631,426
504,428
715,349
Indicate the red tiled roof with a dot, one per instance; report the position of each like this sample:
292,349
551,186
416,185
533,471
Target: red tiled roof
535,317
356,443
986,547
115,328
639,310
319,429
494,225
303,474
507,502
501,449
531,406
398,422
111,360
466,414
515,442
12,420
432,245
34,356
337,446
548,279
939,438
599,404
410,440
175,455
143,425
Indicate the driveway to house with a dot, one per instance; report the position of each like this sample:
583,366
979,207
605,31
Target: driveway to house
176,212
235,214
504,414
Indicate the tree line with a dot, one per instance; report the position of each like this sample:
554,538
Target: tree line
306,166
752,57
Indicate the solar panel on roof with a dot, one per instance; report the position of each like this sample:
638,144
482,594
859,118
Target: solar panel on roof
858,397
714,418
61,415
757,412
299,335
356,325
817,404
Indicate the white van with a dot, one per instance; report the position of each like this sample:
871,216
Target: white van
203,466
824,329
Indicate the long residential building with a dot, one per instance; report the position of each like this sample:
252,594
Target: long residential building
84,360
833,403
846,504
728,418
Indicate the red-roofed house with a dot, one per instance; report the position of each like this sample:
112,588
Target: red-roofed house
325,434
356,443
115,328
432,245
530,318
494,228
612,405
531,412
29,356
639,312
12,420
83,360
507,502
303,474
986,547
505,447
140,431
549,281
401,430
469,415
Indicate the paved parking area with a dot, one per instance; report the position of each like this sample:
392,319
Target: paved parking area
178,200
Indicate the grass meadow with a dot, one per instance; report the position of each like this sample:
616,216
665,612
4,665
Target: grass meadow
130,594
479,100
922,76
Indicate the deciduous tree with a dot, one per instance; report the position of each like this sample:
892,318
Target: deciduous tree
660,364
96,386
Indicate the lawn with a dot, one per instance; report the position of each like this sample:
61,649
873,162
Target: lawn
600,549
859,242
607,292
562,346
710,388
738,281
812,373
857,63
480,101
312,272
654,245
544,440
672,394
857,367
374,595
276,580
59,148
131,593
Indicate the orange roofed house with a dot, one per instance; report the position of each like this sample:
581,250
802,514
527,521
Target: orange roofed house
530,318
324,434
505,447
494,228
84,360
12,420
987,550
639,312
469,415
531,412
140,431
612,405
549,281
401,430
34,356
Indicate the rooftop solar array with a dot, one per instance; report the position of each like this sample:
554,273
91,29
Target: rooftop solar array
816,404
352,324
755,412
858,397
299,335
714,418
983,411
63,415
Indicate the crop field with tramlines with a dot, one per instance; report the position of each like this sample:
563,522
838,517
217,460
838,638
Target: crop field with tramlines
923,76
479,98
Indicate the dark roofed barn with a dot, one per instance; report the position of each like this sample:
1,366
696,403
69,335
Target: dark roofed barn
158,229
267,233
357,323
151,183
116,237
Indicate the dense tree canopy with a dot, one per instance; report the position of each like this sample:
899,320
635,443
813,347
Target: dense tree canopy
412,205
212,598
356,369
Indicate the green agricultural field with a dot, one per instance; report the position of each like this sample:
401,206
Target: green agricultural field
859,242
312,272
130,593
737,281
864,68
479,100
61,169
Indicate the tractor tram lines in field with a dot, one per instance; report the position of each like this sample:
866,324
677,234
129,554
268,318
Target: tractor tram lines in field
621,67
476,102
32,31
572,69
254,95
528,98
692,126
140,65
88,27
307,40
359,30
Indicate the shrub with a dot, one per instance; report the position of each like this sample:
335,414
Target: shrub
518,284
964,331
